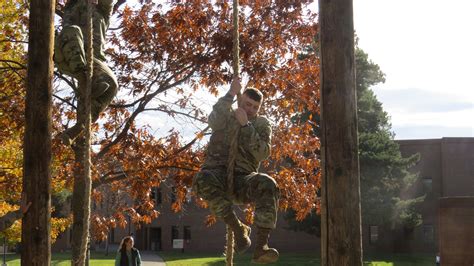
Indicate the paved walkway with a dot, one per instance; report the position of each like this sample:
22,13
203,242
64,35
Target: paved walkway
151,258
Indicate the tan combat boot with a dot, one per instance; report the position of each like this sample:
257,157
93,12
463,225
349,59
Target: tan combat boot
263,254
241,233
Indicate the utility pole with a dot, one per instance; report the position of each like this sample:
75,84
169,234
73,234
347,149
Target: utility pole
341,240
36,223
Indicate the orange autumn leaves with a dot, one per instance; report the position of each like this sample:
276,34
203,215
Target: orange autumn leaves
164,58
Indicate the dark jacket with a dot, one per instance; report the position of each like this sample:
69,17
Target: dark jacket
122,260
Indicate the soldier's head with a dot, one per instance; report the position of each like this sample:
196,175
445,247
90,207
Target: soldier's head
251,101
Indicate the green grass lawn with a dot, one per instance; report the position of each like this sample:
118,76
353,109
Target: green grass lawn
214,259
192,259
63,259
195,259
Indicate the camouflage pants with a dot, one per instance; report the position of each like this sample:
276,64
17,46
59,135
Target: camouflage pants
258,188
69,57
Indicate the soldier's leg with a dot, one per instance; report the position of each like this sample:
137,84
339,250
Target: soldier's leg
263,191
104,88
210,185
70,59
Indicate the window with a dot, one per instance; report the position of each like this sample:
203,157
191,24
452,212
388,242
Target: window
428,233
187,232
155,195
173,194
427,184
188,195
174,233
373,234
112,235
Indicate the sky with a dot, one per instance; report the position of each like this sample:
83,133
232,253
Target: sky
426,50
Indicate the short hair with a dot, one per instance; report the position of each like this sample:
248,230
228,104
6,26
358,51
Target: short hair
254,94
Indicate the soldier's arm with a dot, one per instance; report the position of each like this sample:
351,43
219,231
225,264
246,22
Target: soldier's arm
221,112
8,219
256,138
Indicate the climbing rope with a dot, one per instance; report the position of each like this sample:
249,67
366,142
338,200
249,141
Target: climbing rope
234,133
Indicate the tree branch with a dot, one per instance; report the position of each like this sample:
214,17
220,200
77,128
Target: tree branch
124,175
7,61
188,145
141,107
175,112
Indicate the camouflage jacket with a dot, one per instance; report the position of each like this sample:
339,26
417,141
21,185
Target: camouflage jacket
75,13
253,144
8,219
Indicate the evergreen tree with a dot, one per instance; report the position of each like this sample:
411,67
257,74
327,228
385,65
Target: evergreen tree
383,171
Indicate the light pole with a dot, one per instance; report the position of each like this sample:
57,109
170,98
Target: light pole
4,251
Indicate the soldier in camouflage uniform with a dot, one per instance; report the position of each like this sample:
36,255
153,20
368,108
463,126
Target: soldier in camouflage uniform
250,186
69,55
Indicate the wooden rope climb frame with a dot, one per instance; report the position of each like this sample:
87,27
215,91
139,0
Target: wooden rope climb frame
233,149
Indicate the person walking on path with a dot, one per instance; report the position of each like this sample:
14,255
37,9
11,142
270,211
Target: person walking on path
127,255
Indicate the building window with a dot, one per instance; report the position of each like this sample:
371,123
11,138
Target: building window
187,232
155,195
188,195
427,184
373,234
174,233
112,235
428,233
173,194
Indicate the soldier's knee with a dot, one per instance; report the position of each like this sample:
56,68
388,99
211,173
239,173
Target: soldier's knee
106,79
113,85
205,183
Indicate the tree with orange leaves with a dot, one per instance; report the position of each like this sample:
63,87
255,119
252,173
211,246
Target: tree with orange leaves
166,59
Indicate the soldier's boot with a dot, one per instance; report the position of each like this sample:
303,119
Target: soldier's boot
241,233
263,254
69,135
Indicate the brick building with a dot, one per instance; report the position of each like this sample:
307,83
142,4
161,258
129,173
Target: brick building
446,169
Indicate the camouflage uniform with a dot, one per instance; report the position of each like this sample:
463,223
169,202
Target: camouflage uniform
249,185
8,219
69,53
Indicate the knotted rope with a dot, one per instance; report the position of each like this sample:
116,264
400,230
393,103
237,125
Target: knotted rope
233,149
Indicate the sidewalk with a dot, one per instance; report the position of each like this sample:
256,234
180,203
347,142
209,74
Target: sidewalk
151,258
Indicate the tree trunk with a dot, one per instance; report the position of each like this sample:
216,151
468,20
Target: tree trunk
340,211
36,226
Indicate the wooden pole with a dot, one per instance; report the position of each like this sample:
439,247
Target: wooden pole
341,240
36,223
82,173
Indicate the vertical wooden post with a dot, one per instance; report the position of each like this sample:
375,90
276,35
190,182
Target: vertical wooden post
81,195
36,226
341,240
